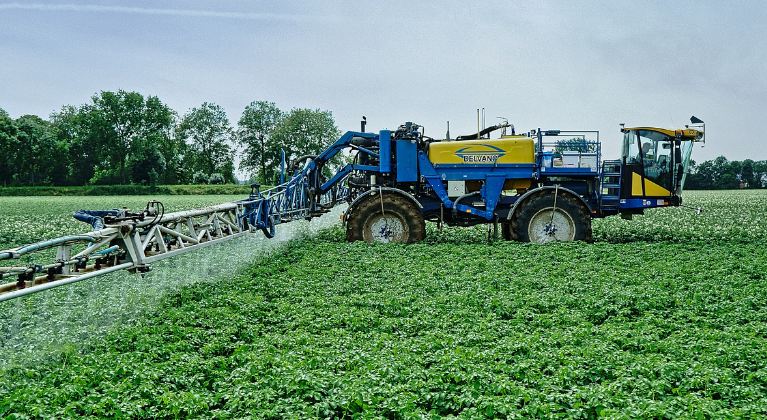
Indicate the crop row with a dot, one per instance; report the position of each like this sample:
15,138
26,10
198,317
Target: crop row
667,320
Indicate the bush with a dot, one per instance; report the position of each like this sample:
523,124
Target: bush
105,177
148,169
216,179
199,178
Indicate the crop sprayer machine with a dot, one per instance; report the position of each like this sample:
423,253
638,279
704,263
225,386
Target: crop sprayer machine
540,186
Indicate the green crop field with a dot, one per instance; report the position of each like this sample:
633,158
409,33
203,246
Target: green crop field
662,317
26,220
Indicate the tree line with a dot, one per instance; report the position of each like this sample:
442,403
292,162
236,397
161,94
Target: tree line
122,138
721,174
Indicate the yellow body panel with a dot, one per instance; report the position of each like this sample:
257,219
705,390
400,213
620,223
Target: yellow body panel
636,185
508,150
510,184
651,189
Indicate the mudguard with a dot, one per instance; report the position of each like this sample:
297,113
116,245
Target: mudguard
537,190
375,191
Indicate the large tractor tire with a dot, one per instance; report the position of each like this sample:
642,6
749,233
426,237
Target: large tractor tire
506,232
391,218
540,219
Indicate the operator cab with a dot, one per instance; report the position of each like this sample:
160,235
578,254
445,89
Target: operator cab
655,161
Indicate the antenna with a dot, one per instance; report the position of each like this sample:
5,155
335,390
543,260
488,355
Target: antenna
504,125
478,129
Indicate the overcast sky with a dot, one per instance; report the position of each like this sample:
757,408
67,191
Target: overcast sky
555,64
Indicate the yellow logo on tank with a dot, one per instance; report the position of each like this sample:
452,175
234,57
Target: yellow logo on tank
490,155
483,152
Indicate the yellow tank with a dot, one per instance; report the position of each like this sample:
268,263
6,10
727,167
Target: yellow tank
507,150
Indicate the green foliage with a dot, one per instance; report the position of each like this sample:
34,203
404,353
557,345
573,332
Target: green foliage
148,168
199,178
107,176
575,145
100,190
38,159
104,138
124,122
216,179
9,146
721,174
73,129
662,317
254,134
208,135
303,132
265,132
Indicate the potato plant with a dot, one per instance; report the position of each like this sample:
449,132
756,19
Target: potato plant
661,317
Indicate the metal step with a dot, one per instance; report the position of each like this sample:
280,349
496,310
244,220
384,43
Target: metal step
611,181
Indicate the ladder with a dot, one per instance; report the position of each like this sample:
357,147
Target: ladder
610,187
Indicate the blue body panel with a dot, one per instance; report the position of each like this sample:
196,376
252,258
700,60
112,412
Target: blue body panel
642,203
385,151
407,161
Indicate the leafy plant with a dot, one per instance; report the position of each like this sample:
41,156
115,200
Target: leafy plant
661,317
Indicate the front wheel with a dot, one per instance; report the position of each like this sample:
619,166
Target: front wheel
387,218
550,217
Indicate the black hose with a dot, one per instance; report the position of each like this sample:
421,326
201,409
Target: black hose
481,133
457,200
159,212
296,163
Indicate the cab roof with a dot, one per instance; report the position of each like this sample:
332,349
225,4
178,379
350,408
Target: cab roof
688,133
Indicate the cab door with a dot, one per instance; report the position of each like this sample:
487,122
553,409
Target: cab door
649,159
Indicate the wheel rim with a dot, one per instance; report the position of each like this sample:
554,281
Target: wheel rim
385,229
544,228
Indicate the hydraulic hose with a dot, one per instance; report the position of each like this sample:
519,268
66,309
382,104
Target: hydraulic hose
296,163
457,200
481,133
45,244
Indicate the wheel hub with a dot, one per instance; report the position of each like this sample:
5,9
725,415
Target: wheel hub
551,224
386,229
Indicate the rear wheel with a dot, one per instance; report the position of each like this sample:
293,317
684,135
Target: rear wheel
391,218
544,218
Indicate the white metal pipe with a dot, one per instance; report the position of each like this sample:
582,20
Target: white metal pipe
172,217
57,283
91,237
176,234
96,246
177,251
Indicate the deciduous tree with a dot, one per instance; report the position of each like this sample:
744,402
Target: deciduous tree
302,132
9,145
254,133
41,158
207,131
